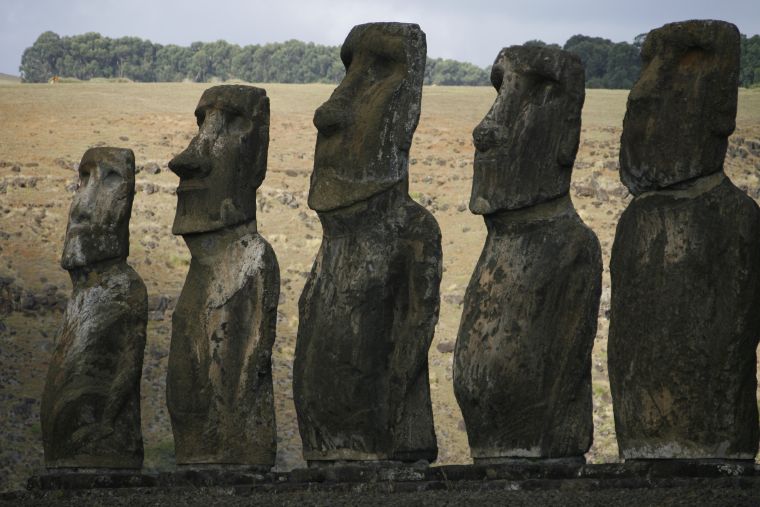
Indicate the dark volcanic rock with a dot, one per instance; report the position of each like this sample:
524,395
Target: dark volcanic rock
370,305
688,82
365,129
526,144
219,382
522,363
684,324
91,403
522,370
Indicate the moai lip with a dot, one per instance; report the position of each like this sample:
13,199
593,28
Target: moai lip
522,360
688,82
527,142
219,381
91,402
370,305
684,325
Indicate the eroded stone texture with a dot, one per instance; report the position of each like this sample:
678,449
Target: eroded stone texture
370,305
522,361
91,402
688,83
526,144
219,383
684,324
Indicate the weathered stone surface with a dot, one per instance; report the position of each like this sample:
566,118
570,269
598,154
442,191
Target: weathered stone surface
522,362
91,402
684,324
527,142
219,383
370,305
365,129
225,163
688,82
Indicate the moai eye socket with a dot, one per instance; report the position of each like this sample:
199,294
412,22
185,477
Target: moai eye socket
542,89
84,176
237,124
112,178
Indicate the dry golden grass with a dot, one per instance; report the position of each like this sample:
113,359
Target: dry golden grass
45,129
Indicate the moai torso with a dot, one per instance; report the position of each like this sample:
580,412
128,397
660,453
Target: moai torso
91,402
522,361
219,383
369,308
684,324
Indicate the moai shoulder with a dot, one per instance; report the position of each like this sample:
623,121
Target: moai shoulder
370,305
522,361
91,402
684,324
219,383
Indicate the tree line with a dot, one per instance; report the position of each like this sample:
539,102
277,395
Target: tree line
90,55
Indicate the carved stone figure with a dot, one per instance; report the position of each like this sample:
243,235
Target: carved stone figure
219,384
370,305
91,402
684,321
522,361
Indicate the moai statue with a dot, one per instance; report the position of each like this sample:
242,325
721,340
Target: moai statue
370,305
685,265
522,361
219,384
91,402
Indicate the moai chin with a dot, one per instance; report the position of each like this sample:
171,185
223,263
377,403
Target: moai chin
219,383
370,305
684,324
91,402
522,360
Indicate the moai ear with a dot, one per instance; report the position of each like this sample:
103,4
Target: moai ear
568,145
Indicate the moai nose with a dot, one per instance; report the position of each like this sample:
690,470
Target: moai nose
485,135
189,163
331,116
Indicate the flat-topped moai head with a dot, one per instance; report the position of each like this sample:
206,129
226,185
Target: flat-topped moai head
366,127
526,144
98,228
225,163
683,107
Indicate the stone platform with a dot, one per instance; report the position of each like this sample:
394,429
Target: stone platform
631,483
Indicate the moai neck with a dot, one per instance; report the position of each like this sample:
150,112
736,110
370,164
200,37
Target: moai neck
205,247
504,220
690,188
370,214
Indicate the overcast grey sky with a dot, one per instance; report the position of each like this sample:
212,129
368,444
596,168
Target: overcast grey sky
469,30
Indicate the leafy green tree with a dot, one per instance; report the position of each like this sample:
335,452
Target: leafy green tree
40,62
608,64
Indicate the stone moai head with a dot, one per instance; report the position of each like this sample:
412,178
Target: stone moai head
98,228
683,107
225,163
526,144
365,129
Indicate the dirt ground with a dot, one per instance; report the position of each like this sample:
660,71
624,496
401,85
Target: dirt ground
45,129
